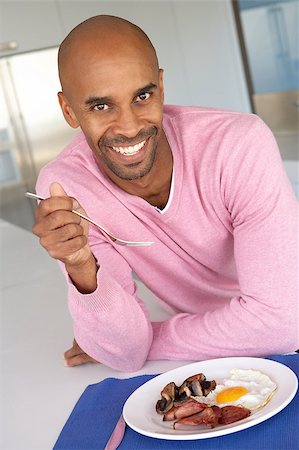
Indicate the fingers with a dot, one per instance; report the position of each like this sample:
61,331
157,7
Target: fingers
78,360
62,244
52,204
55,220
60,233
74,350
75,356
63,234
59,200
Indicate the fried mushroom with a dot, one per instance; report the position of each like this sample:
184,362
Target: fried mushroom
167,398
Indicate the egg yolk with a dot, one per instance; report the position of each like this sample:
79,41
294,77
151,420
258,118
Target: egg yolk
231,394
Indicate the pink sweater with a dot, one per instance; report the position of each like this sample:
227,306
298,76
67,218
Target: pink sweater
225,257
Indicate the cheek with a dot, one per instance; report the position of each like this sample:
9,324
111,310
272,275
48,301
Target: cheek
153,113
93,129
93,135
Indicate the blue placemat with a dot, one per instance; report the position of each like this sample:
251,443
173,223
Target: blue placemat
97,411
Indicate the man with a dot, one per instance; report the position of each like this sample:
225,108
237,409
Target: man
206,185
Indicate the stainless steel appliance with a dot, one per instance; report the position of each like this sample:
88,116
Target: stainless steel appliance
32,128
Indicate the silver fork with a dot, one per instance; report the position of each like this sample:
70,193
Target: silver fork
110,235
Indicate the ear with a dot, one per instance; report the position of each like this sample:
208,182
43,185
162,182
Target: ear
161,84
67,111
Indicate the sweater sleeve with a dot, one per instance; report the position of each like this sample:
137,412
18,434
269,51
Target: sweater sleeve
111,324
263,211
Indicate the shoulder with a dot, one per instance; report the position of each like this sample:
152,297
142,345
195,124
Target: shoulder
223,129
206,118
216,133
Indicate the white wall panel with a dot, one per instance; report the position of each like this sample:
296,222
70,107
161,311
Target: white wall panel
211,55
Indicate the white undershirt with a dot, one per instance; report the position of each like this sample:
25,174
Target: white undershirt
162,211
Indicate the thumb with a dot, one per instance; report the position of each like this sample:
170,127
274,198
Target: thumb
56,190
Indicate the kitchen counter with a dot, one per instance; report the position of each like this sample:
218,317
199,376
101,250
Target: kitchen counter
38,392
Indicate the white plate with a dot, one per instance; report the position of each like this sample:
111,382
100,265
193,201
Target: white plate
140,409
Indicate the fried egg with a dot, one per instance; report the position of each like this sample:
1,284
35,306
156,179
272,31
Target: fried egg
244,387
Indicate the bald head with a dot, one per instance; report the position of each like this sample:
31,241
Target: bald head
101,36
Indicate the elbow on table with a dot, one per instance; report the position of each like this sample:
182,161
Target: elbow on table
129,366
128,358
288,344
283,338
132,356
130,362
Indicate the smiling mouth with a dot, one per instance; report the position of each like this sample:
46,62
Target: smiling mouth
131,150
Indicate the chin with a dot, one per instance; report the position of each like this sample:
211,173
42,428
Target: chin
134,174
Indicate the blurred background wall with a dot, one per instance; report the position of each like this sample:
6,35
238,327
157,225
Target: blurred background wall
236,55
270,30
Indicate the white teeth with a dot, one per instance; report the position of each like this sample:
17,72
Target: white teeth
129,150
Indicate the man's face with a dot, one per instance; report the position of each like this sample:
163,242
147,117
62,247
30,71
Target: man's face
117,101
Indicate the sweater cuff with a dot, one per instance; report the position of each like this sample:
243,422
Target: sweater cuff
99,300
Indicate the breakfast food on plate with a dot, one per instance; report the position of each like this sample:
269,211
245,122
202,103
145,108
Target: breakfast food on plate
201,402
173,395
186,409
244,387
213,415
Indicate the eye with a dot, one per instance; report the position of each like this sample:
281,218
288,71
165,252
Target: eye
102,107
144,96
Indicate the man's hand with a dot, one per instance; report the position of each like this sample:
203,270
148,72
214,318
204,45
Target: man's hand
75,356
63,234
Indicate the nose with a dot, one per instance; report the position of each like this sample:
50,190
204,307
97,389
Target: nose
127,123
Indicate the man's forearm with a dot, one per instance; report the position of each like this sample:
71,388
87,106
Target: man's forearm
84,276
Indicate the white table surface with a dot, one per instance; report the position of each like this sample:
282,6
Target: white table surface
38,392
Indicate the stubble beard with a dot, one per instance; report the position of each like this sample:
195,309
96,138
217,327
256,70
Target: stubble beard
131,171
